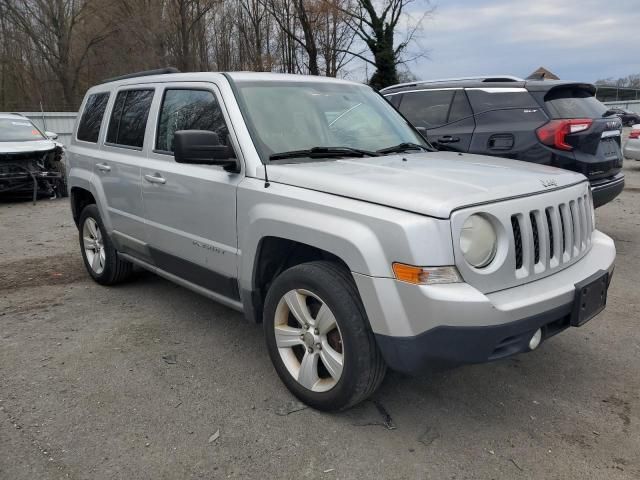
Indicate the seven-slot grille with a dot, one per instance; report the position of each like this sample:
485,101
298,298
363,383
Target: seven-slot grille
548,238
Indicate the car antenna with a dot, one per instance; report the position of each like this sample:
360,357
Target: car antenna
266,177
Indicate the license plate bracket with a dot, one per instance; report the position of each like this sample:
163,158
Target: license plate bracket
590,298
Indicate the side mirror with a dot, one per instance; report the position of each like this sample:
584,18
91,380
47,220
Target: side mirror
203,147
51,135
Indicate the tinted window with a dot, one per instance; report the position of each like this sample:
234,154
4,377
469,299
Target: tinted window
129,118
189,110
394,99
460,107
573,103
91,119
427,109
500,98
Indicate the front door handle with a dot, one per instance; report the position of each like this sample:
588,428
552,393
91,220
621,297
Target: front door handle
103,167
155,178
448,139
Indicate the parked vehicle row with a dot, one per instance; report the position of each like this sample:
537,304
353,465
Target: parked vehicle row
556,123
311,205
31,161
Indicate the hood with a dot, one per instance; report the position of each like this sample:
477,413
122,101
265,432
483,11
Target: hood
430,183
26,147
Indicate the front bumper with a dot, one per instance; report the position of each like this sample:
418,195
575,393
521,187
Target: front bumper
434,326
605,190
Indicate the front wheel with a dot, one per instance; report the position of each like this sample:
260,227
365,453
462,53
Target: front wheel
319,338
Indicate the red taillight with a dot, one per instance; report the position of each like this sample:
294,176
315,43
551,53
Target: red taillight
634,133
554,132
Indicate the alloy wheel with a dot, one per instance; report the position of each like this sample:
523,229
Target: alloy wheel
309,340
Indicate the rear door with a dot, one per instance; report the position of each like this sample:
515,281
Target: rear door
597,150
118,166
191,209
506,122
444,113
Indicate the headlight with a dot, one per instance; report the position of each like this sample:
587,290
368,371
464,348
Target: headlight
478,241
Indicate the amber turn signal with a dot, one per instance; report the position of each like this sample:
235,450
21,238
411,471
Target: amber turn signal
425,275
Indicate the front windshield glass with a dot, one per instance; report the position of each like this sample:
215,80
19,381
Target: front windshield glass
288,116
18,130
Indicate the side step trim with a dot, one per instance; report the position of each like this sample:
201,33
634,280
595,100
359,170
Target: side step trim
228,302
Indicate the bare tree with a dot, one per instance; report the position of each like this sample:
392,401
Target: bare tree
55,29
376,25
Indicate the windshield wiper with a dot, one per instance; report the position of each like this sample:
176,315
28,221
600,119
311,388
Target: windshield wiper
324,152
402,147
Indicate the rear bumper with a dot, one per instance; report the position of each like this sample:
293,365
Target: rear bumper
604,191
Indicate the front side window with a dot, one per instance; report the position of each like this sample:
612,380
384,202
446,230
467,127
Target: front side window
290,116
428,109
129,118
91,120
188,110
19,129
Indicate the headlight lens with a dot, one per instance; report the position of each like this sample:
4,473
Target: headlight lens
478,241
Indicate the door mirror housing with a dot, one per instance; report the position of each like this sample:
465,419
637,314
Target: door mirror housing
51,135
203,147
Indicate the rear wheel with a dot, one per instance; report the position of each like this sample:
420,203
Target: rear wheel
319,337
100,257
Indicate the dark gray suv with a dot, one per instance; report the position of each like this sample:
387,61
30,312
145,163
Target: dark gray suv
555,123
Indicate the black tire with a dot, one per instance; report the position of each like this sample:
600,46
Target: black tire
363,367
116,269
61,185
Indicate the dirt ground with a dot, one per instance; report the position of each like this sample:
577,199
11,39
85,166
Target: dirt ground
135,381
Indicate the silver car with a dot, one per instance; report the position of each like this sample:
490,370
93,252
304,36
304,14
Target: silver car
632,146
312,206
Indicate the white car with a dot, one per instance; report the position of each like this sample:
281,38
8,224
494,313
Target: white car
30,160
632,147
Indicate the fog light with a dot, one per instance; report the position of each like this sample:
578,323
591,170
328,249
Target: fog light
535,340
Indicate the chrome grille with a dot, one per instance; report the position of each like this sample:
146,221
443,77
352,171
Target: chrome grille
547,238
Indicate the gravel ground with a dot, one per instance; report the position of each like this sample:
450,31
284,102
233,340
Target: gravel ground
134,381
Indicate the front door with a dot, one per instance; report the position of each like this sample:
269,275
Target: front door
190,210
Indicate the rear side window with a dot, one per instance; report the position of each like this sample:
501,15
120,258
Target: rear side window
487,99
460,107
427,109
91,120
188,110
129,118
573,103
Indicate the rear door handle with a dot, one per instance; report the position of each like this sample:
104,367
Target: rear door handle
155,178
448,139
103,167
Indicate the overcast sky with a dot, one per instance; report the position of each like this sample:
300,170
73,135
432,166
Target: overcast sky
576,39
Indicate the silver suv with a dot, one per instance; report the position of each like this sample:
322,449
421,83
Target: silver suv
311,205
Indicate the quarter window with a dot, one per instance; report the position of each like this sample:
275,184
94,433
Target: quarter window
91,120
427,109
188,110
129,118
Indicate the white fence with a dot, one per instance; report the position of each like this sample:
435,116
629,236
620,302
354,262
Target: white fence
59,122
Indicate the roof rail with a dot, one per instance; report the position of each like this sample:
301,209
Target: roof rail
482,78
146,73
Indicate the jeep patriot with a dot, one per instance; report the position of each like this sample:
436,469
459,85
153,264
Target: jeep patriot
312,206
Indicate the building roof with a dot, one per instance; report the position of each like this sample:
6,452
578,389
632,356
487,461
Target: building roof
542,74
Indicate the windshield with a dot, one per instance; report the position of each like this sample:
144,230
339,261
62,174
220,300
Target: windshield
289,116
18,130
